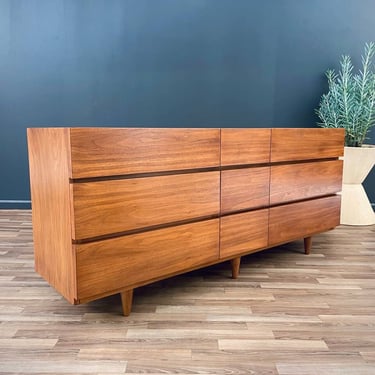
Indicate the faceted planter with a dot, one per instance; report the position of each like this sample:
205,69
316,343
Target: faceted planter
355,206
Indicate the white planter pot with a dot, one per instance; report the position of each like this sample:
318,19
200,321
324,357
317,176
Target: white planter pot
355,205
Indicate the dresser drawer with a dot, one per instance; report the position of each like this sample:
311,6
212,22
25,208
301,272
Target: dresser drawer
305,144
115,206
245,146
244,188
297,220
115,151
114,264
244,232
305,180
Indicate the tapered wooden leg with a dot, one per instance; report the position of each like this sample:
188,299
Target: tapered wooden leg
235,263
127,300
307,243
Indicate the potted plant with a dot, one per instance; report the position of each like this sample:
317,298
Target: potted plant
350,104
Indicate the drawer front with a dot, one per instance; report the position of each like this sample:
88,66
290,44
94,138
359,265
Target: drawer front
305,180
298,220
245,146
115,151
304,144
115,206
109,265
242,233
244,188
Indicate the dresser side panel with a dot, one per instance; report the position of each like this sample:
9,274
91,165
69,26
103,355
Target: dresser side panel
49,166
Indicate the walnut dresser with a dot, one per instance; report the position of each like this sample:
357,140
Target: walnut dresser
117,208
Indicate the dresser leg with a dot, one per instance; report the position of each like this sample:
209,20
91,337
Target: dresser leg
235,263
127,300
307,243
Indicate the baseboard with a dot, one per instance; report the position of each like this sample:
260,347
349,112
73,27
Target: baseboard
9,204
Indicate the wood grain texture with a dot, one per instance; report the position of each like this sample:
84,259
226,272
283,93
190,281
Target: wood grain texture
49,166
293,182
177,324
114,206
129,261
245,146
298,220
118,151
243,233
304,144
244,188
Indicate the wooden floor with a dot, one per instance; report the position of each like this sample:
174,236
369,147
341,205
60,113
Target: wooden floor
287,314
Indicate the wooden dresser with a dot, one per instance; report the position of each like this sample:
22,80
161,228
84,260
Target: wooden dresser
117,208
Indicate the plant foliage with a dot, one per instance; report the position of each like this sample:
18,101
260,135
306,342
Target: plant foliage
350,101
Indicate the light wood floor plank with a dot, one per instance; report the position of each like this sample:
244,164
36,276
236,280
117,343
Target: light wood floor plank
290,344
57,367
325,369
199,333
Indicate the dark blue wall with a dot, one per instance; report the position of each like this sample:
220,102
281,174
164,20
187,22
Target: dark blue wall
213,63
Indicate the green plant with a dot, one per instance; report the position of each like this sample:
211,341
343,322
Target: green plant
350,101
